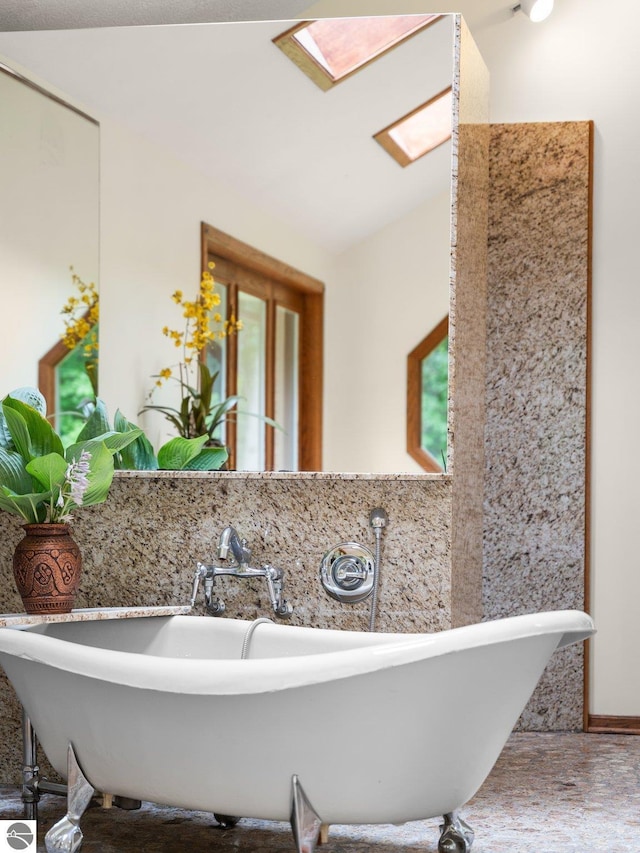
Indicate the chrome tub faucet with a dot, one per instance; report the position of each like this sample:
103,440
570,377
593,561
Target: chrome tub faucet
229,538
240,568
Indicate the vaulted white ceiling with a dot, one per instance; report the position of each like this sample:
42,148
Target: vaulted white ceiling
222,98
66,14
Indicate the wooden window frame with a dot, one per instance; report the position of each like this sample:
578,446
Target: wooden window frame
414,396
47,384
47,374
286,286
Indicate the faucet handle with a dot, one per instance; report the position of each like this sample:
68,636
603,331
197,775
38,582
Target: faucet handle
274,573
284,609
274,578
199,574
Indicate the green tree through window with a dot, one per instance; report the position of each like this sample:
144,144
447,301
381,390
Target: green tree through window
427,399
74,393
435,385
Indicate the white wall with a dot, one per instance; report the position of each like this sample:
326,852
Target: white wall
583,63
393,289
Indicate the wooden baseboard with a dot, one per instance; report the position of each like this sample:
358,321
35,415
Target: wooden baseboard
601,724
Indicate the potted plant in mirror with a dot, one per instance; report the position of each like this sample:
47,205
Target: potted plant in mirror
176,454
44,484
199,413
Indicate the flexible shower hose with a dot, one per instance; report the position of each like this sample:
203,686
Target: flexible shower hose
376,577
249,634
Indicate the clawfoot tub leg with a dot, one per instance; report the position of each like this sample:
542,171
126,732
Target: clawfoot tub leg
305,823
456,835
65,836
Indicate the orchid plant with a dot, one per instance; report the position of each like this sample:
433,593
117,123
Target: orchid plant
197,414
82,315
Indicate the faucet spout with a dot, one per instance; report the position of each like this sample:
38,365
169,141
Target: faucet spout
229,539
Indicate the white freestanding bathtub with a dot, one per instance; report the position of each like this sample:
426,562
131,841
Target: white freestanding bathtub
316,726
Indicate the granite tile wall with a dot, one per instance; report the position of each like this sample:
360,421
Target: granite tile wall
535,505
467,322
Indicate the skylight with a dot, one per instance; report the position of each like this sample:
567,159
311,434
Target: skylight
419,132
330,49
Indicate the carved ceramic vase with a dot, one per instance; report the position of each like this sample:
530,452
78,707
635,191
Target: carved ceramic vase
46,568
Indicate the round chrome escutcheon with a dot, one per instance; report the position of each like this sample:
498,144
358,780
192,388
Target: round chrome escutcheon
347,572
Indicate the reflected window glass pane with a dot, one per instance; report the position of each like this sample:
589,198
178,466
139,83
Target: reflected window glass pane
424,129
74,395
435,380
286,390
252,312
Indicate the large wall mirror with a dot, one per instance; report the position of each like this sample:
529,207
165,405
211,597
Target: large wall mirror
49,221
213,123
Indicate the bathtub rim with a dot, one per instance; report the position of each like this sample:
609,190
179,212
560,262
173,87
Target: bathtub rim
204,676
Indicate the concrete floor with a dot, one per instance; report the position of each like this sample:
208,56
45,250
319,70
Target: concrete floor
548,793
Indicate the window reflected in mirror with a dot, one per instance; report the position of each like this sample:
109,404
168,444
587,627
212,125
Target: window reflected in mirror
420,131
427,395
273,364
67,379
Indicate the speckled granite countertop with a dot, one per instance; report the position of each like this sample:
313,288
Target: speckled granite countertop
275,475
14,620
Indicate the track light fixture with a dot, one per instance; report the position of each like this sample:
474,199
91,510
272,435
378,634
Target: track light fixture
535,10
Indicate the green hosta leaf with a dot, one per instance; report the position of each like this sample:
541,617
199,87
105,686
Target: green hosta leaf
178,452
49,471
32,434
117,441
28,395
122,424
13,473
137,456
31,396
97,423
18,431
114,441
209,459
33,508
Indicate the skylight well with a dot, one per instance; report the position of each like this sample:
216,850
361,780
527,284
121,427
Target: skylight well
329,50
420,131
